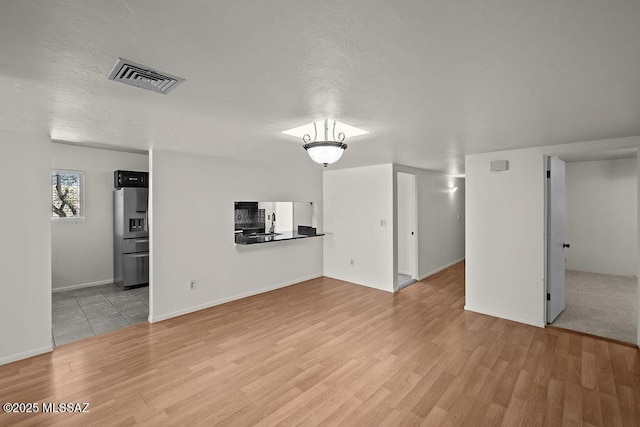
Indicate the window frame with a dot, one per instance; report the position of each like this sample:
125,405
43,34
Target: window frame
81,194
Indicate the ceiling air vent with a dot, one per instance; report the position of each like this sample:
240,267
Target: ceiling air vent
144,77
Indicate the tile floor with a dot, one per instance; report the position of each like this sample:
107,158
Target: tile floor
86,312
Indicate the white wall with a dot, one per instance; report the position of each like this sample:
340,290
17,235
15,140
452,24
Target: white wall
441,220
82,250
505,228
302,214
192,223
355,201
284,217
602,216
25,250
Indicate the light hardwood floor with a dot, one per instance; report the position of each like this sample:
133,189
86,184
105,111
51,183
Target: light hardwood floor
326,352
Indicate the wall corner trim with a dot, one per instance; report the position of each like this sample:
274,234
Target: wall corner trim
538,324
26,354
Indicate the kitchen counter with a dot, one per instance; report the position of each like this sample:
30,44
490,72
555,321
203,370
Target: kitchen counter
250,239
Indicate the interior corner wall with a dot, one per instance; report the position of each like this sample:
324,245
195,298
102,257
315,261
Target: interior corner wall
82,250
505,229
25,246
192,231
441,220
504,236
356,200
601,220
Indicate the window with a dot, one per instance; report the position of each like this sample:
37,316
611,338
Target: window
67,194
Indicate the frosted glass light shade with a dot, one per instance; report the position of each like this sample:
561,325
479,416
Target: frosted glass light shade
325,152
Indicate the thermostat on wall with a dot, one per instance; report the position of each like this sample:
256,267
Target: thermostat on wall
499,165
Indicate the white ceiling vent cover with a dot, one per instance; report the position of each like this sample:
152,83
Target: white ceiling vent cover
128,72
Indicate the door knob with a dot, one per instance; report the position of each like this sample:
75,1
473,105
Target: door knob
566,245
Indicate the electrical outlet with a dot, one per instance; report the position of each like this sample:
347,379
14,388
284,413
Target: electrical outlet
192,285
352,262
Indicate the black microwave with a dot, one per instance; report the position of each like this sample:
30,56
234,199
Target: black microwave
130,179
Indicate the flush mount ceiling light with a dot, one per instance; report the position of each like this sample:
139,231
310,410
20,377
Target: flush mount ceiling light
325,151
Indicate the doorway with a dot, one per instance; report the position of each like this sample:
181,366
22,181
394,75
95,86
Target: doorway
592,244
407,230
85,298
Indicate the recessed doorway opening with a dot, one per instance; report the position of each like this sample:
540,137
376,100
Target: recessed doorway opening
592,244
407,230
86,299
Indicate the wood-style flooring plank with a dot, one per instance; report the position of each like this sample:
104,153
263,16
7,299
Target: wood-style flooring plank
326,352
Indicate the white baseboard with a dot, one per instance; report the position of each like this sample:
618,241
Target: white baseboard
26,354
506,316
437,270
82,285
153,319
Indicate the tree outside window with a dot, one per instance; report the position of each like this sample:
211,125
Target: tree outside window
67,188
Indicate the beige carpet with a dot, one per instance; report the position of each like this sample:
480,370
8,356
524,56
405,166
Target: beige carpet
600,304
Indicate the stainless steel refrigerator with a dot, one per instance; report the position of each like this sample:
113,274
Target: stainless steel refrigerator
130,237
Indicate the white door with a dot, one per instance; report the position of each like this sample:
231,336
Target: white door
555,238
406,187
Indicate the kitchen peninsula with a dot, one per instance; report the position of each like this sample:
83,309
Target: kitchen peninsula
264,222
249,239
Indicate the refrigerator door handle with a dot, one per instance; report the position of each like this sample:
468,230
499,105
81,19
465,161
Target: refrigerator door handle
137,255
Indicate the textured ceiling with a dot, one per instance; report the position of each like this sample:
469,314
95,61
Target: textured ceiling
431,80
